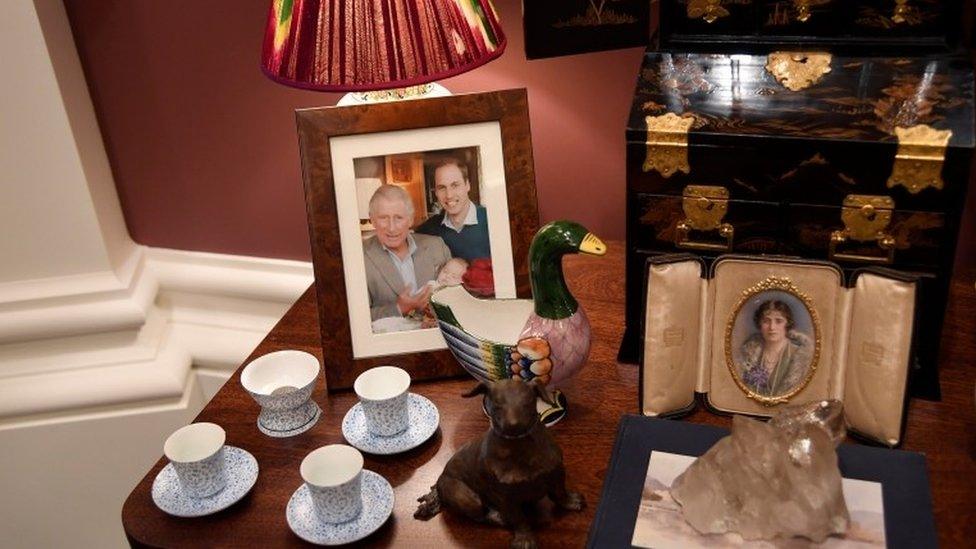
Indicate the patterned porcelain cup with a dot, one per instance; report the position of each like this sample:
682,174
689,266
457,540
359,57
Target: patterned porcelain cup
382,393
197,454
333,475
282,383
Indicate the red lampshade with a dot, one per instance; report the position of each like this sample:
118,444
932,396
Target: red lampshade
363,45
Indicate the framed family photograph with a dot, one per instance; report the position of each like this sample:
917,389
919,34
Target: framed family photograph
406,197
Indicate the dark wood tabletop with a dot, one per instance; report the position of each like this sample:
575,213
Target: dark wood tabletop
598,397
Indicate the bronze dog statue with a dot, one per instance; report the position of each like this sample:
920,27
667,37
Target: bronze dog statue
514,464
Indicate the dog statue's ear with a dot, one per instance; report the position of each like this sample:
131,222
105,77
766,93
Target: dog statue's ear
542,392
479,389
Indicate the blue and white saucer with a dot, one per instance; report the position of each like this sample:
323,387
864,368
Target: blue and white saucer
242,473
377,507
424,420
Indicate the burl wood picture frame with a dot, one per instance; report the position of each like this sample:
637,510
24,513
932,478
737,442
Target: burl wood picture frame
325,135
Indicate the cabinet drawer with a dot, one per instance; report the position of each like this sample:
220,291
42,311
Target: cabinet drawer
823,18
920,239
862,25
654,225
822,173
885,20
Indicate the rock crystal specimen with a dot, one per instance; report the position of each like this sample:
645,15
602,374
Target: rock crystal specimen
768,480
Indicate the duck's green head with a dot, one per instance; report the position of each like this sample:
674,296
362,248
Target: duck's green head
565,237
551,243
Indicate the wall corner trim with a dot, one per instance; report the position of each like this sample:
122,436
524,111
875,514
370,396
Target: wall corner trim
91,343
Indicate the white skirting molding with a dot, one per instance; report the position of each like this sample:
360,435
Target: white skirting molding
65,350
77,305
80,469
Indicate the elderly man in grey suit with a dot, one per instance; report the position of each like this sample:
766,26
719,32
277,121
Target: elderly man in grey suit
399,264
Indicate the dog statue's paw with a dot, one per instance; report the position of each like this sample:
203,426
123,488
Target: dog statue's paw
523,540
430,505
574,502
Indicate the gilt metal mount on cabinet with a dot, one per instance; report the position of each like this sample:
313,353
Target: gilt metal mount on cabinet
866,218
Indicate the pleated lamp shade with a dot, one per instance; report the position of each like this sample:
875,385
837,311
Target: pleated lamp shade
365,45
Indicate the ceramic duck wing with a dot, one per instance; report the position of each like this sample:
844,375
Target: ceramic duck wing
547,337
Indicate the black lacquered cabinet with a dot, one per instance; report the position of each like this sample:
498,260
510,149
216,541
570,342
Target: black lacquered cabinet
858,160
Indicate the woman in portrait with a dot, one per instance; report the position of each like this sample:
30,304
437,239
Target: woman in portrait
777,357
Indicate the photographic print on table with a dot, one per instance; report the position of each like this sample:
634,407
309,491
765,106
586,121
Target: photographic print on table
566,27
772,341
405,197
660,523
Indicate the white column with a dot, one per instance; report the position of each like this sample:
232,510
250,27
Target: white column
78,331
52,161
63,234
97,334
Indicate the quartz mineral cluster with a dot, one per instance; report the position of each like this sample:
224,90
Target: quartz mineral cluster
768,480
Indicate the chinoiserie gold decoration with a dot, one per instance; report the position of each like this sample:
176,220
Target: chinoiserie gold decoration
783,284
709,10
667,143
902,12
866,218
798,70
918,162
802,8
704,206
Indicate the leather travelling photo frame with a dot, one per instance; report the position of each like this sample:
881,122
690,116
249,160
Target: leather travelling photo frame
754,332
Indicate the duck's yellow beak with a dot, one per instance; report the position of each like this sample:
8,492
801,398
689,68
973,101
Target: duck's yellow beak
592,245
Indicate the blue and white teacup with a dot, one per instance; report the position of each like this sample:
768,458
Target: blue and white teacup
333,475
382,393
197,454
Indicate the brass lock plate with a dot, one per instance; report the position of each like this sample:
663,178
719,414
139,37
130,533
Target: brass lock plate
864,216
866,219
798,70
705,207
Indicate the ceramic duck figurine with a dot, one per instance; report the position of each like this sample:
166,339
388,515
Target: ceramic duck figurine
546,338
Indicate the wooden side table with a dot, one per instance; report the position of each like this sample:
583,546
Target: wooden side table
598,397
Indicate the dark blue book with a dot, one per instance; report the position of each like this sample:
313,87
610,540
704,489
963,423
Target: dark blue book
903,477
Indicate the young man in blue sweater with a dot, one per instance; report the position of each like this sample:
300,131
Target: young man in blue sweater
463,224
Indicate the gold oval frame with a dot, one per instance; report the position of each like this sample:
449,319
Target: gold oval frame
784,285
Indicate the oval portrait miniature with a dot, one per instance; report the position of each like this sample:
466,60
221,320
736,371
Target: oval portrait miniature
772,341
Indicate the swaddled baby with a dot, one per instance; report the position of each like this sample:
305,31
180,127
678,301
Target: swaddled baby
451,274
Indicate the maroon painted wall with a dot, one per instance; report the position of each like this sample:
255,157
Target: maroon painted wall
204,150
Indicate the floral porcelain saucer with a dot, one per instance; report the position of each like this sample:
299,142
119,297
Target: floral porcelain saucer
242,473
377,507
424,420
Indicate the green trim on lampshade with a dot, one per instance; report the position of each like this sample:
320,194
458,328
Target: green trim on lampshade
286,8
478,7
549,292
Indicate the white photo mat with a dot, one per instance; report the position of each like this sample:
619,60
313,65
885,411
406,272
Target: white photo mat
493,196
